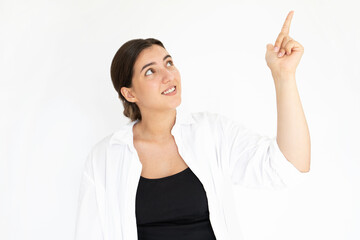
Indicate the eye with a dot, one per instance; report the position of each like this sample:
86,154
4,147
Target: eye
172,64
150,69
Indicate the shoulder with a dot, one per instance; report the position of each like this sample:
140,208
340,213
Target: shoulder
119,138
97,154
100,146
220,124
205,117
210,124
211,119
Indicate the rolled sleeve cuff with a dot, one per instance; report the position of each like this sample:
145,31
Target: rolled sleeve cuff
287,172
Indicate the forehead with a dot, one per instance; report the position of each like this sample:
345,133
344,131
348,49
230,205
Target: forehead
150,54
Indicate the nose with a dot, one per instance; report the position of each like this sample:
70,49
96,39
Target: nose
167,75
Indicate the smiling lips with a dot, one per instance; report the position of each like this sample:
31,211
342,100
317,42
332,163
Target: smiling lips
169,91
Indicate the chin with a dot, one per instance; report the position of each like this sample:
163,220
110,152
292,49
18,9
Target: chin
176,103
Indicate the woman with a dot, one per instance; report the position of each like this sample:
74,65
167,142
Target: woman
168,174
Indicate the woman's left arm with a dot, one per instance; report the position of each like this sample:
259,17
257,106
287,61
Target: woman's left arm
293,135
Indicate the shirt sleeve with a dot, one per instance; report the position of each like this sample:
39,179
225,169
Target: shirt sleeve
254,160
88,224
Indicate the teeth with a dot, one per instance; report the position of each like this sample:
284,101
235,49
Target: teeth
170,90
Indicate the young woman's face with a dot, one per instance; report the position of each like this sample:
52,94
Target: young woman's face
153,73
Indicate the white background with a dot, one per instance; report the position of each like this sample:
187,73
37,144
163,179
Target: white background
57,100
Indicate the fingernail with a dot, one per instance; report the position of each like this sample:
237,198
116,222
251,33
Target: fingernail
280,54
276,49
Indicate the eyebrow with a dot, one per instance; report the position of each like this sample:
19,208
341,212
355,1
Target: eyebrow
146,65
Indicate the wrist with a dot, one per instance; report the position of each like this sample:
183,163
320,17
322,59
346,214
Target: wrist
283,76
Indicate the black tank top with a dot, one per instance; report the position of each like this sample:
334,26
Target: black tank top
173,207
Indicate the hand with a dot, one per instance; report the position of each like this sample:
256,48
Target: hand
290,49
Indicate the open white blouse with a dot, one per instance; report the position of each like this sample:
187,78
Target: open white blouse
221,153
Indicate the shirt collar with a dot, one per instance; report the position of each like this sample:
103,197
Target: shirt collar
125,133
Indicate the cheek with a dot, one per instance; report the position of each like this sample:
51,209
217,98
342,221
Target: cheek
179,81
150,88
152,85
178,75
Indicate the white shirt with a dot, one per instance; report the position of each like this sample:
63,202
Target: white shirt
221,153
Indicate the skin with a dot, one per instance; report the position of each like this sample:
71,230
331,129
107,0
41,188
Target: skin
284,57
158,111
293,135
152,135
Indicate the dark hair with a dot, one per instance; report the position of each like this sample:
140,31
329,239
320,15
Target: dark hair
122,70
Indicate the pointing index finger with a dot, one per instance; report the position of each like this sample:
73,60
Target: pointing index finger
286,26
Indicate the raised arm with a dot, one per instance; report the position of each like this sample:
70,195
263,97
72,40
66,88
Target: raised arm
293,135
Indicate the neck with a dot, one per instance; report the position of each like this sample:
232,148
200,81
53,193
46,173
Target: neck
155,126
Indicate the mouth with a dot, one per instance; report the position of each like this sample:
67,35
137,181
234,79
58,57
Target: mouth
170,91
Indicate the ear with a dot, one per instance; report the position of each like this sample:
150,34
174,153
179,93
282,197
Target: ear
128,94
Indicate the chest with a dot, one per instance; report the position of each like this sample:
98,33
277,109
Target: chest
159,159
